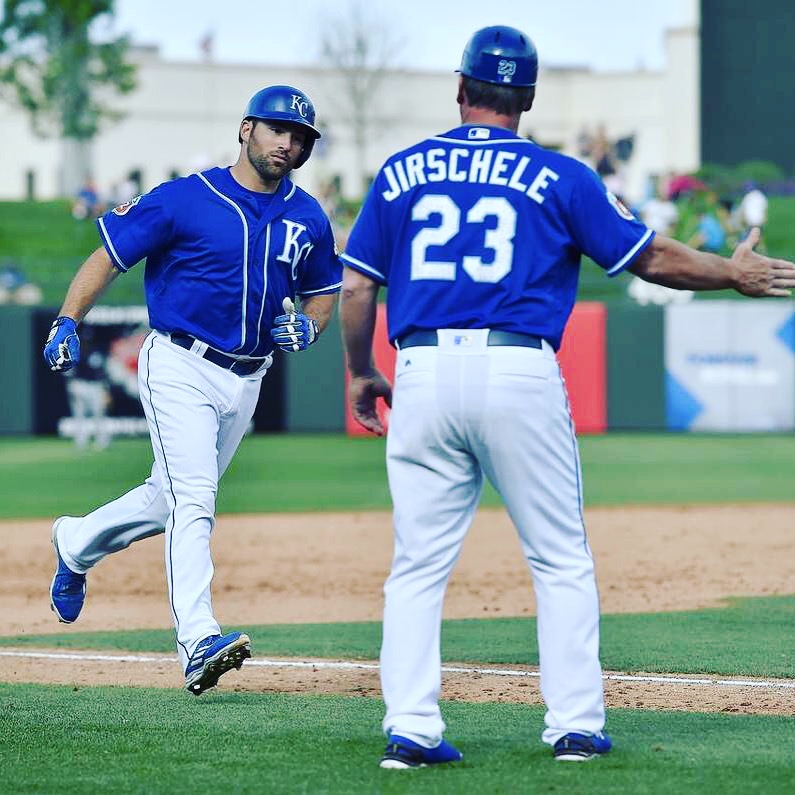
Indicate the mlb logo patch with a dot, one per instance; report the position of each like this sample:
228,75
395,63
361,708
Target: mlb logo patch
462,339
478,134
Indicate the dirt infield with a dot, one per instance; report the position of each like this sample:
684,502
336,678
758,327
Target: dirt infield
330,567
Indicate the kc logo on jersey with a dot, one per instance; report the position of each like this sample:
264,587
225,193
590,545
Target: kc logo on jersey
124,208
620,207
294,251
506,70
299,104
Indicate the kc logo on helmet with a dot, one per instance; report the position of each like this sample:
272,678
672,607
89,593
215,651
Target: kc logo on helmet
299,104
506,70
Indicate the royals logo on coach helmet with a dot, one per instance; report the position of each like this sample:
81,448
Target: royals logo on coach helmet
285,103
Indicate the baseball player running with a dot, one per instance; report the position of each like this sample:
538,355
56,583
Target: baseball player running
478,233
227,250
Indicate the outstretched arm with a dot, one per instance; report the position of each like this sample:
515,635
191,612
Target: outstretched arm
673,264
358,312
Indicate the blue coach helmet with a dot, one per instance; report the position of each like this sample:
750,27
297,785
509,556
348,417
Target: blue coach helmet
285,103
501,55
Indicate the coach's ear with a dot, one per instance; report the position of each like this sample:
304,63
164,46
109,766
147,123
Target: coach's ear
530,99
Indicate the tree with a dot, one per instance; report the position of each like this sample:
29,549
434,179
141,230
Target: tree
56,72
362,50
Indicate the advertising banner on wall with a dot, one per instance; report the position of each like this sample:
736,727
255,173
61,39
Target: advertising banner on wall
98,399
730,366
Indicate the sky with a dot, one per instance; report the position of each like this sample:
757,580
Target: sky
605,35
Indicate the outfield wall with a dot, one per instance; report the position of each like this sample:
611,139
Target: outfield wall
722,366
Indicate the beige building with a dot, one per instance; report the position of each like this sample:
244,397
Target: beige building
184,117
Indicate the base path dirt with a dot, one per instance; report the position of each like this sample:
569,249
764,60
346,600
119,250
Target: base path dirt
293,568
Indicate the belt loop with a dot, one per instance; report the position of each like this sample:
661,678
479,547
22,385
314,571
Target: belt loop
199,348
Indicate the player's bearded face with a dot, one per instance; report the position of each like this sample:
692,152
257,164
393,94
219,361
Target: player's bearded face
273,150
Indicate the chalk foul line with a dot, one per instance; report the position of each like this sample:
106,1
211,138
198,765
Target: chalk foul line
782,684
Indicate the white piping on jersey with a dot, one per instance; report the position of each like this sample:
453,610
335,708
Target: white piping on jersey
292,191
359,264
321,290
631,253
111,246
245,255
264,283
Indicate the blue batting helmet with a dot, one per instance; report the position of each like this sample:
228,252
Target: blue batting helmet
285,103
501,55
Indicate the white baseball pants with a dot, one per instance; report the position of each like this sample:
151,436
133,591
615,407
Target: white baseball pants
460,410
197,414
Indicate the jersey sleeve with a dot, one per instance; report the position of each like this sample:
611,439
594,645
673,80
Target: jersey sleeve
603,227
322,271
364,251
137,228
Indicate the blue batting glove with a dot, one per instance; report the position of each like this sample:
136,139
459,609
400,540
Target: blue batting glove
293,331
62,350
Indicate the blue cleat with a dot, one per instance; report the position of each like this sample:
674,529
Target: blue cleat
574,747
68,589
213,657
401,754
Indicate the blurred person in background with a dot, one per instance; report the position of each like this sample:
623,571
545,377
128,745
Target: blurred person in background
751,212
712,227
89,393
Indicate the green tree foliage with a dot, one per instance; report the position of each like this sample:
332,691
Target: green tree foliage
54,69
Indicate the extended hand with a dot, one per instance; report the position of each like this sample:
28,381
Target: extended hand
293,331
62,349
760,276
363,393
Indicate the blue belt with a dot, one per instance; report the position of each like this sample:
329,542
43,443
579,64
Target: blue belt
237,366
417,339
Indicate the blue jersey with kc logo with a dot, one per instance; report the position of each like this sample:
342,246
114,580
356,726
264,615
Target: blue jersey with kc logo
479,228
220,258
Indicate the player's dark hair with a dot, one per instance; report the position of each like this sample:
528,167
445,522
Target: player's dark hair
505,100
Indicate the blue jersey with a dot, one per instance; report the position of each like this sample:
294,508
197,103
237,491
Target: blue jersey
479,228
220,258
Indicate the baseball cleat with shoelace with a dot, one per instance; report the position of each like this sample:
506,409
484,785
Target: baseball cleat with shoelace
213,657
402,754
574,747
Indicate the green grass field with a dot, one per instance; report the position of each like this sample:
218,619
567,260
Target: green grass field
340,473
91,739
141,741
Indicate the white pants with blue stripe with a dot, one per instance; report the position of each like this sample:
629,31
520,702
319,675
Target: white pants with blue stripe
197,414
462,410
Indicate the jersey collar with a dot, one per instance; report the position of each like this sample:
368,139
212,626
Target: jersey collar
479,132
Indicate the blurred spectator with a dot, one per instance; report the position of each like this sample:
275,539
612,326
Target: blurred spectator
751,212
684,185
87,203
711,231
122,192
584,143
605,162
15,288
89,394
660,214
